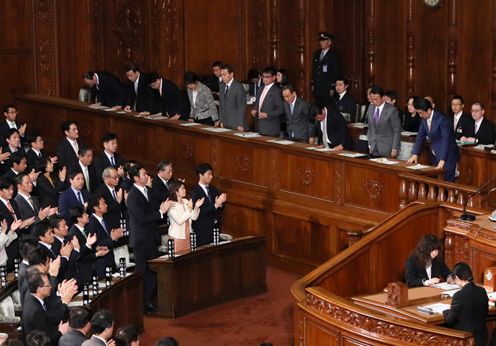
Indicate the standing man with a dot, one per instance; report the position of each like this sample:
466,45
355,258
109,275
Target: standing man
232,101
299,115
209,211
141,97
109,157
384,131
171,103
86,167
269,106
109,90
439,129
462,122
68,149
325,70
215,79
344,102
10,113
72,197
144,235
161,182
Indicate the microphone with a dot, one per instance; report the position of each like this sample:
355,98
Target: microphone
471,217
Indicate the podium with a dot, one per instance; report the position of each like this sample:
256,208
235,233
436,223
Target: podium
211,275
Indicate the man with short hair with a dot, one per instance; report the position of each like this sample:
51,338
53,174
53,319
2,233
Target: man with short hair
107,88
299,115
232,101
114,196
216,79
483,128
269,106
171,102
36,155
384,130
10,112
80,326
344,102
73,196
68,148
86,167
102,326
439,129
463,123
325,70
161,182
141,98
109,157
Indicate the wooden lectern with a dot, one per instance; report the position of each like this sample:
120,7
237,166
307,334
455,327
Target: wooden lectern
210,275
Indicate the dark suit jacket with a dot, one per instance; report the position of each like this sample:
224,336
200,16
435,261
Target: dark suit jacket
33,158
347,105
213,83
464,126
115,210
85,259
300,119
486,134
171,102
204,225
69,200
34,317
160,192
93,178
103,239
324,72
415,274
110,92
143,220
66,156
49,194
410,123
274,107
72,338
337,131
26,210
144,100
101,161
468,312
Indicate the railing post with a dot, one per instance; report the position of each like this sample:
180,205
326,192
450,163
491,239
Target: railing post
403,193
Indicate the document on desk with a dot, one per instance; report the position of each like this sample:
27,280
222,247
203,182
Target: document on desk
408,133
446,286
322,150
417,166
95,106
216,129
353,154
248,134
190,124
384,161
450,293
279,141
436,308
358,125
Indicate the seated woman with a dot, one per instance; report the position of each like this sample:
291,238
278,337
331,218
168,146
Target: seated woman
469,307
181,214
49,184
203,108
425,267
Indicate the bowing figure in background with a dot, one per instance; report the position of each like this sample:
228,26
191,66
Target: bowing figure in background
181,214
425,266
469,306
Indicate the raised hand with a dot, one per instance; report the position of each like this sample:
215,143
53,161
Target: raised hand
199,202
65,250
62,173
190,204
33,175
119,194
165,206
54,266
4,226
15,225
75,243
116,233
91,240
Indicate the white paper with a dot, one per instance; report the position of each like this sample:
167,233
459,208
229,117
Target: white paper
450,292
408,133
122,112
358,125
108,109
437,308
216,129
248,134
417,166
190,124
282,142
353,154
324,150
94,106
446,286
384,161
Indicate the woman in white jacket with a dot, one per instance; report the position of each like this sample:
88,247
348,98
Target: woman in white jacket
7,236
181,214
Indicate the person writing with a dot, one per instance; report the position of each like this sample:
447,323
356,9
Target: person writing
425,266
469,306
181,214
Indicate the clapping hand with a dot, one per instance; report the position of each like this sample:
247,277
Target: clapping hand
199,202
54,266
62,173
116,233
220,199
165,206
65,250
91,240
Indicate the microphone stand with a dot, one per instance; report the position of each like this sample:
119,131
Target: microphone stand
471,217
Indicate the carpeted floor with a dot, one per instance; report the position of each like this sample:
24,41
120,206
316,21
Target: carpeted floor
263,318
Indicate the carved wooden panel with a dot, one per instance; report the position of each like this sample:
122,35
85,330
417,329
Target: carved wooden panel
316,334
258,19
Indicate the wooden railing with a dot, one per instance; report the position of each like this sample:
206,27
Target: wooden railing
419,188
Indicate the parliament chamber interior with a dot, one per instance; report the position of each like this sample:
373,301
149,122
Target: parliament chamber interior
299,172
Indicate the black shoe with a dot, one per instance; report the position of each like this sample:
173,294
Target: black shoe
150,309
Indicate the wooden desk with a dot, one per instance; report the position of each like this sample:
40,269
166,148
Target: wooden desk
305,201
478,166
210,275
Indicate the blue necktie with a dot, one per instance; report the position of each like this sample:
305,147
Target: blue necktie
80,198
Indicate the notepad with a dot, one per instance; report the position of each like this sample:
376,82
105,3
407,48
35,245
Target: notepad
282,142
417,166
384,161
450,293
436,308
247,134
190,124
216,129
446,286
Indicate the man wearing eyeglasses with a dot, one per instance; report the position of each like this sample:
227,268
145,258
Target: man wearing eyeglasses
10,112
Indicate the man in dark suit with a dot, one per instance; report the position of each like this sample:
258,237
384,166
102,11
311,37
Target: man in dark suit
141,98
36,154
68,149
232,101
107,88
17,165
299,115
144,234
28,246
269,106
325,70
13,145
384,130
255,81
209,211
469,306
102,326
337,136
215,79
114,196
344,102
105,235
80,326
10,113
73,196
439,129
483,128
86,167
172,103
160,183
462,122
109,157
35,314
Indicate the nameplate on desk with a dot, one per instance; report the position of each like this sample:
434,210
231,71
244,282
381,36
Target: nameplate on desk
216,129
384,161
190,124
417,167
248,134
282,142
